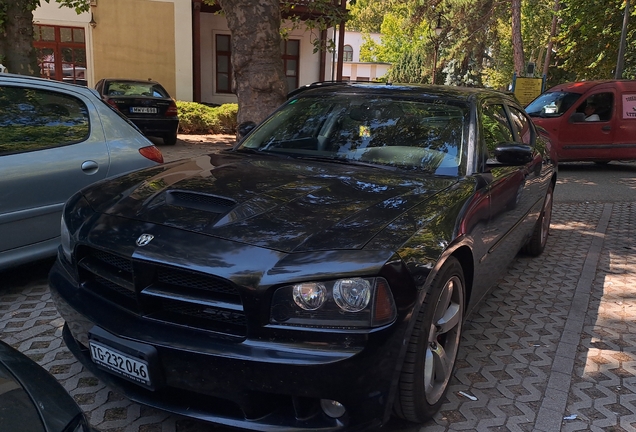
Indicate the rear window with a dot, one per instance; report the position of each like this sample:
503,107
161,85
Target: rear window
141,88
553,104
35,119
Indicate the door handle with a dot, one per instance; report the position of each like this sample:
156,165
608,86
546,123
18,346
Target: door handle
90,167
606,128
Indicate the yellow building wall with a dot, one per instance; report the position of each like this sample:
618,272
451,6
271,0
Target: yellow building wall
135,39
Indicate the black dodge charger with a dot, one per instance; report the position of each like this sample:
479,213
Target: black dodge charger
316,276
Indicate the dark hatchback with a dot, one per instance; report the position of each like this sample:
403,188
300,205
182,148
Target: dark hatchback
317,276
146,103
31,400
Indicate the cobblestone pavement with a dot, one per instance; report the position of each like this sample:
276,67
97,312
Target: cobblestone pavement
553,348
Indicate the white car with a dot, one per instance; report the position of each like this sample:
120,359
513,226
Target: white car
56,139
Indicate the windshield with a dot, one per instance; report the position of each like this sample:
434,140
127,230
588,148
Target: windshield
411,134
552,104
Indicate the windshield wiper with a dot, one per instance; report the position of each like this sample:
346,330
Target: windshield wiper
344,161
261,152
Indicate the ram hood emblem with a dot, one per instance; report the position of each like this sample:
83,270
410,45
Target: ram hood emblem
144,239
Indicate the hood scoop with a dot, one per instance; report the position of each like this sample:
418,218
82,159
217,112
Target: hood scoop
199,201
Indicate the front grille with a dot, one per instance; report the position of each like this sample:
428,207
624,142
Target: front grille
163,293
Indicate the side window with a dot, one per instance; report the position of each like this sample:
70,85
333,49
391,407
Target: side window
597,107
522,124
496,127
34,119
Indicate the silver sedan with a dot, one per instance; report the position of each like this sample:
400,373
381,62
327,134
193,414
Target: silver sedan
55,139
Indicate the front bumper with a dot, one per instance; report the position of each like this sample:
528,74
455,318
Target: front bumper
252,384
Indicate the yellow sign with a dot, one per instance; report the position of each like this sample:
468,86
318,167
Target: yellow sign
526,89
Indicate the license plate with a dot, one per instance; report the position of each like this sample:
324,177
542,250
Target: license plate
120,363
143,110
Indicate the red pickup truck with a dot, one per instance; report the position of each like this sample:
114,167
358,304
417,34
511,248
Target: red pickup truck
589,120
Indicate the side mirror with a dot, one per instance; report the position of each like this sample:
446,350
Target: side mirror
513,154
245,128
577,117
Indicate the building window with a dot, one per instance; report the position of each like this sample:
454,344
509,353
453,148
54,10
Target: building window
61,53
348,53
223,64
291,57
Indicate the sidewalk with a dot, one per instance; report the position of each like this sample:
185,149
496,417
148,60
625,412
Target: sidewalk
552,348
194,145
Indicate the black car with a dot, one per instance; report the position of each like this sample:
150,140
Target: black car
146,103
315,277
31,400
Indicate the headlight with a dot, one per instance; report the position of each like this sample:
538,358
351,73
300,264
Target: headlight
310,296
352,295
65,238
342,303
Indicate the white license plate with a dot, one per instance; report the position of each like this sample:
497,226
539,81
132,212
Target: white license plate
143,110
120,363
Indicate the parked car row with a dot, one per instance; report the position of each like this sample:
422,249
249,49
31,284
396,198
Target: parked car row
315,277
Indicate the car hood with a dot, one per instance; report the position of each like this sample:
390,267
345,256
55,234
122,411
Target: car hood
278,203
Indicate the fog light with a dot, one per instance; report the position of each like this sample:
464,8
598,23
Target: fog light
309,296
332,408
352,295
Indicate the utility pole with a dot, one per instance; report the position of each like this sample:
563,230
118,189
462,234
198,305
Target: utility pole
621,49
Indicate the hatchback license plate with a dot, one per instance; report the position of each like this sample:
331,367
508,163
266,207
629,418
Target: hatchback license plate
143,110
120,363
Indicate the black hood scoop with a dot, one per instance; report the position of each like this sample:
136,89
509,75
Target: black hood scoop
199,201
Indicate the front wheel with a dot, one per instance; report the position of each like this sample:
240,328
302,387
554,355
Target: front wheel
537,242
432,351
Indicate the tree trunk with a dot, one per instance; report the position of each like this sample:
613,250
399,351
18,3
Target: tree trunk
16,38
257,65
553,30
517,41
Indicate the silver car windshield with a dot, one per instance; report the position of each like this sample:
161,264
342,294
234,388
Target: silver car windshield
409,134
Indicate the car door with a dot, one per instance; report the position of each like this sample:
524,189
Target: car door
51,145
510,189
589,140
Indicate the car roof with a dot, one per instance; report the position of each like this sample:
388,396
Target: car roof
583,86
406,90
129,80
58,85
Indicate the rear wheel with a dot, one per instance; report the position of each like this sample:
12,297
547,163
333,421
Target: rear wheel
432,351
170,139
537,242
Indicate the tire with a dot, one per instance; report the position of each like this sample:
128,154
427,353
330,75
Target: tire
539,238
170,139
432,350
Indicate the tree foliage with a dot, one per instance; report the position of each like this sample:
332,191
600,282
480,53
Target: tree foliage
476,47
589,39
